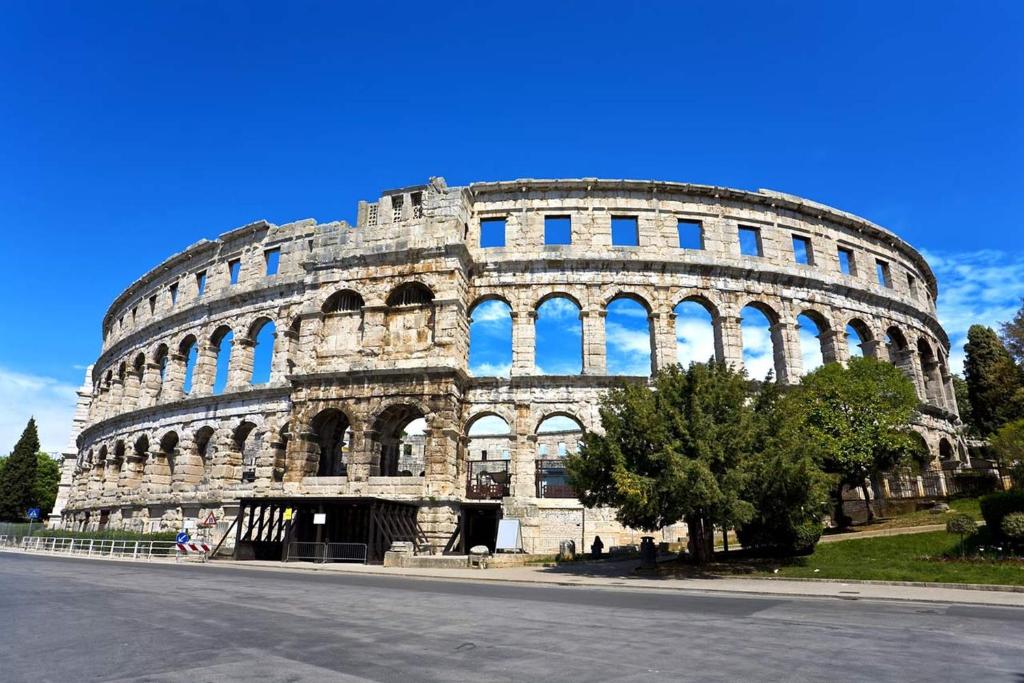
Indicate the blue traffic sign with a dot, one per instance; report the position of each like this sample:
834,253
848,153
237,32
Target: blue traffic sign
182,537
33,513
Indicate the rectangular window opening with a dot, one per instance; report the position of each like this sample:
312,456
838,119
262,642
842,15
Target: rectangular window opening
625,231
750,241
417,204
201,283
396,208
691,234
234,267
492,232
557,230
912,284
846,262
272,257
882,271
802,250
174,293
152,304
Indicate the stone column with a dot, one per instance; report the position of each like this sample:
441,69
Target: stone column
240,367
663,326
116,396
834,346
594,357
729,340
950,392
205,372
364,455
524,336
440,454
174,378
103,401
285,362
873,349
786,346
302,452
374,329
524,455
132,390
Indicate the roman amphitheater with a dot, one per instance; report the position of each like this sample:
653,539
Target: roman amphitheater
282,372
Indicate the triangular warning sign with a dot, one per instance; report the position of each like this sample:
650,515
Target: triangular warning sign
210,520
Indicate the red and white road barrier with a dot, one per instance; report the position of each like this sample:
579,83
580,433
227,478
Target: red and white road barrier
194,548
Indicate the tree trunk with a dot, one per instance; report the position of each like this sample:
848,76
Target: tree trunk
701,541
838,516
867,501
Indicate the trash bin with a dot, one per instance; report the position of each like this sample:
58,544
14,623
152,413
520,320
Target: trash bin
648,553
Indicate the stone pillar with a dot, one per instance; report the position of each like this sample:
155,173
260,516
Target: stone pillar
786,346
524,455
116,397
834,346
205,372
729,340
441,456
374,329
240,367
174,378
663,326
594,358
279,357
303,451
950,392
132,391
150,389
873,349
907,361
103,400
364,455
524,337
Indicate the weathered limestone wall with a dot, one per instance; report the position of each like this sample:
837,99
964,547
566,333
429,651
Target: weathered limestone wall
371,324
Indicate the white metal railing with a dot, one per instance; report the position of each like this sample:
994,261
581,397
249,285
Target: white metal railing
100,547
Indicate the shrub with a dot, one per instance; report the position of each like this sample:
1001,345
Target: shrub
1013,526
996,506
109,534
961,525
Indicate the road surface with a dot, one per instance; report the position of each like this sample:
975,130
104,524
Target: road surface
73,620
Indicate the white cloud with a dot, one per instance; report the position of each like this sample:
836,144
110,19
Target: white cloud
491,370
758,353
695,340
810,349
489,425
976,287
559,308
50,401
492,312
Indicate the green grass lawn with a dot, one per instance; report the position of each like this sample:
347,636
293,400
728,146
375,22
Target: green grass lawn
930,556
969,506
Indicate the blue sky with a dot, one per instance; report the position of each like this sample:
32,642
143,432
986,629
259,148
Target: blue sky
130,130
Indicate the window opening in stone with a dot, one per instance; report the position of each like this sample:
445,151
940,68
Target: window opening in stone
263,352
691,234
558,338
174,293
492,232
395,428
200,283
234,268
273,259
561,434
625,231
695,333
190,352
856,336
846,261
487,477
417,204
882,273
371,214
247,444
557,230
490,339
759,343
396,208
411,294
628,339
333,439
343,301
750,241
222,341
811,353
152,304
802,252
912,284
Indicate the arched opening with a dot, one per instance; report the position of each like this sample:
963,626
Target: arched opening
169,450
410,317
400,442
246,443
342,318
695,332
204,451
119,454
810,327
263,334
222,340
857,335
762,347
946,451
136,377
141,456
628,340
189,351
490,339
160,359
930,373
558,435
294,335
898,351
333,437
488,454
559,337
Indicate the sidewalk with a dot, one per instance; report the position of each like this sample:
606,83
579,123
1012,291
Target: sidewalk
620,576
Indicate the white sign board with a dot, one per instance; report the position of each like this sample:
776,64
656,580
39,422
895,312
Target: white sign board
319,518
510,536
189,524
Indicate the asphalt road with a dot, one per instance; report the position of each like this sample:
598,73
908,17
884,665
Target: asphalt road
72,620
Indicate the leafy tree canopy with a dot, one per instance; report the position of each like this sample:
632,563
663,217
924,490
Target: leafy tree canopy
994,384
1013,335
17,485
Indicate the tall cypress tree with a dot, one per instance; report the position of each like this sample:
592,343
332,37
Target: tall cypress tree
17,488
993,380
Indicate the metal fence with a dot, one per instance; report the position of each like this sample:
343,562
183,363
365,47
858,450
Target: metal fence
96,547
307,551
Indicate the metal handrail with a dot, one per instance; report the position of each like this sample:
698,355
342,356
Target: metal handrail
100,547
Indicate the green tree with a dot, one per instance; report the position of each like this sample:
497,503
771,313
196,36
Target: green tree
17,487
963,402
994,384
47,480
858,420
1013,335
675,452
